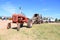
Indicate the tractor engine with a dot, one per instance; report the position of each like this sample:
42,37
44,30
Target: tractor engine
19,18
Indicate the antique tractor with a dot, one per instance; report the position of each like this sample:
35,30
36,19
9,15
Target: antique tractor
20,19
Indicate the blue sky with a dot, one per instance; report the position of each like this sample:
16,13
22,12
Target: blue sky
48,8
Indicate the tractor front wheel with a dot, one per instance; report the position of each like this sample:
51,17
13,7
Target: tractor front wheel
18,26
9,25
29,24
21,25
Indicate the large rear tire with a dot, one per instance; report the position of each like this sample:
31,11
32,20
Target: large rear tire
29,24
18,26
9,26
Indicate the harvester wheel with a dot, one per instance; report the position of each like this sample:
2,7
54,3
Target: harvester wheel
18,26
9,25
29,24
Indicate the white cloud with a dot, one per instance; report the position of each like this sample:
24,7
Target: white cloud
44,9
8,6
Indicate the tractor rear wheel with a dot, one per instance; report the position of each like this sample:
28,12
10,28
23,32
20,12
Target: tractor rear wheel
29,24
9,25
18,26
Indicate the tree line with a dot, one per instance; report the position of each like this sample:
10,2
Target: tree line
57,20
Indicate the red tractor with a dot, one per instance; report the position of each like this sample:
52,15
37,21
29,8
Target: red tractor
20,19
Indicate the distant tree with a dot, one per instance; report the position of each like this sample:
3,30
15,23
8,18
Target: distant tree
49,20
59,20
41,16
45,18
56,20
0,17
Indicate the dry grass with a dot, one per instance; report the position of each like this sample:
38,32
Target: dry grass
37,32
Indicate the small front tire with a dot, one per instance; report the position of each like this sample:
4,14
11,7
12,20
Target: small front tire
18,26
9,26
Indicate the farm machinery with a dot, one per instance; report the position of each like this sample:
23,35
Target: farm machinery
37,19
20,19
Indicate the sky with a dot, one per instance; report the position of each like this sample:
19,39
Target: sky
48,8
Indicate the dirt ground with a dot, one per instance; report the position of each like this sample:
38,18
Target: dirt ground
3,23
